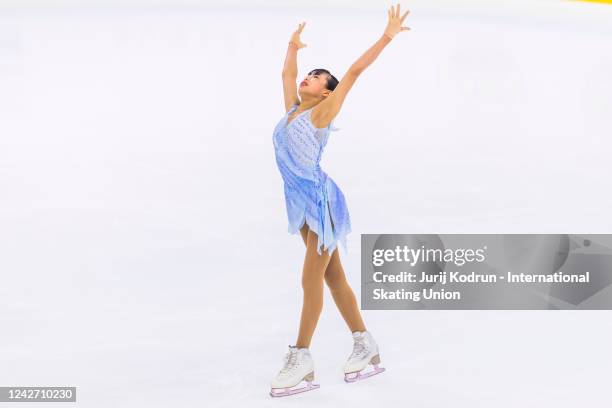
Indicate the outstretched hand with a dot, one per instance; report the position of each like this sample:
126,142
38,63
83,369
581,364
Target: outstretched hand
295,37
394,24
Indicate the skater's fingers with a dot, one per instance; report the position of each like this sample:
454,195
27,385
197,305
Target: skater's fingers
404,16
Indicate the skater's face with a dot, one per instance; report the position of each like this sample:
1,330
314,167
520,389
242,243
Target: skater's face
314,85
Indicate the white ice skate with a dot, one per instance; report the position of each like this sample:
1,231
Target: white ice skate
365,352
298,369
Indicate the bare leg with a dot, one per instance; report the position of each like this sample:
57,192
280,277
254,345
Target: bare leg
313,274
341,291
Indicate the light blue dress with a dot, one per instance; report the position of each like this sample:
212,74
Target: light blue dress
311,196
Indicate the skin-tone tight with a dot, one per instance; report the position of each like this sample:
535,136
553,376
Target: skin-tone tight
319,268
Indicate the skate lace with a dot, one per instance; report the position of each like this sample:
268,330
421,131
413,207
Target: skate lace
359,348
290,362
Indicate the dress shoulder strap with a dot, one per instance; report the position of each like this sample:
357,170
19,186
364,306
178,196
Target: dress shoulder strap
293,108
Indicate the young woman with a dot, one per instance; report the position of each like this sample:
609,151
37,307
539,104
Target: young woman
316,208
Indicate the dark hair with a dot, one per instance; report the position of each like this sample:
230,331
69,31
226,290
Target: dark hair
332,82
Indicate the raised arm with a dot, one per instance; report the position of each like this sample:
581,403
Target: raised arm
290,68
326,110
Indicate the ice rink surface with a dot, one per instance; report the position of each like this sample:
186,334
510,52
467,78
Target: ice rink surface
143,236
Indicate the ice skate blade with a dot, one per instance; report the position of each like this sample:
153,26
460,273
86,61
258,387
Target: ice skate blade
284,392
357,376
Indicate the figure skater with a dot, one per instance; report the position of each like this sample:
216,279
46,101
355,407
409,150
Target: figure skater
316,208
